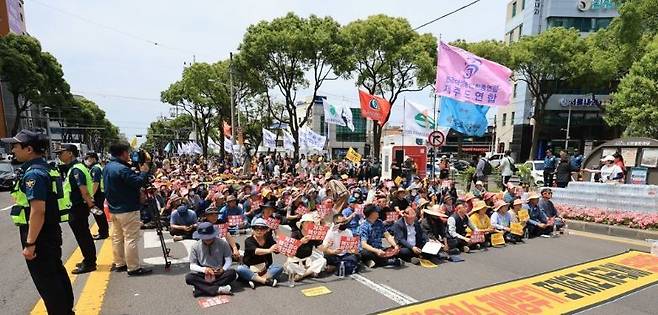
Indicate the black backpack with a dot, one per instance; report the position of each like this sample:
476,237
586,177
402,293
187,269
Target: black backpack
487,167
512,166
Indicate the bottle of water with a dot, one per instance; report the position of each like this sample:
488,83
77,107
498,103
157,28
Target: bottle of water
341,270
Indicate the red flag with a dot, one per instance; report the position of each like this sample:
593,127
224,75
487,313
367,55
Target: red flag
374,107
227,129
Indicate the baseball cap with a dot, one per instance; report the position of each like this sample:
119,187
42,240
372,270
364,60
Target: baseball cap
67,147
25,136
91,154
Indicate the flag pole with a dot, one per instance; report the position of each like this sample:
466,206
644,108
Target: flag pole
436,123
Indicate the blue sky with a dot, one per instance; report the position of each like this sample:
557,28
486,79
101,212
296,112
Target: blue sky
108,53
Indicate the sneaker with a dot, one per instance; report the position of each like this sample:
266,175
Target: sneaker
225,289
177,238
415,261
466,249
370,263
196,293
271,282
252,284
140,272
123,268
396,262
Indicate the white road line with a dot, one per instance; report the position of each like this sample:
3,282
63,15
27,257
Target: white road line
6,208
152,240
393,294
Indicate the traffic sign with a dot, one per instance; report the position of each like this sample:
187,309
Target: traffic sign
437,138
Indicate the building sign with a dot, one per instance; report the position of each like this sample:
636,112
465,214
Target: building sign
580,102
563,291
587,5
537,7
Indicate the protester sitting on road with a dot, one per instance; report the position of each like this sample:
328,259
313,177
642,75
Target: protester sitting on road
250,210
478,190
468,200
501,220
351,215
371,233
211,216
388,215
538,222
434,226
399,202
457,224
478,216
258,263
331,246
304,259
546,205
232,209
210,263
293,213
410,236
448,206
182,223
510,193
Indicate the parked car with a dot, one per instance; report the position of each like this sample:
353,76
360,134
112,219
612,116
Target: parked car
7,176
494,159
537,171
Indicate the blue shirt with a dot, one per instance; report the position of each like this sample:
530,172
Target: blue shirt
537,215
353,225
36,185
96,174
501,221
576,162
226,211
122,186
372,233
187,219
549,163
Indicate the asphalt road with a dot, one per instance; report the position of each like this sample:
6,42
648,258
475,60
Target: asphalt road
165,292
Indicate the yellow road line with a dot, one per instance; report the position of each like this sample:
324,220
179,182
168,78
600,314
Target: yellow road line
75,258
610,238
93,293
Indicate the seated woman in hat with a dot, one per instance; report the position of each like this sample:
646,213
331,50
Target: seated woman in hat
481,220
448,205
258,265
501,220
517,205
293,213
434,225
232,209
303,259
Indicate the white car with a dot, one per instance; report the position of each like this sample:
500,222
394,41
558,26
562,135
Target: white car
537,171
494,159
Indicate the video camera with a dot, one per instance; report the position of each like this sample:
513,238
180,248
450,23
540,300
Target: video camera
140,157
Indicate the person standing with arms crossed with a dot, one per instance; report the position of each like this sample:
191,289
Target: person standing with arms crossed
98,194
122,190
77,188
37,214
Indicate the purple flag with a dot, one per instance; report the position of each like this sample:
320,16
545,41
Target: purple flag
466,77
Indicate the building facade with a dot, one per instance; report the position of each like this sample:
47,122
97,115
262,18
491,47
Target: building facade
513,123
12,20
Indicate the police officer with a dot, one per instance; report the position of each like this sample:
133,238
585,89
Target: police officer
37,213
78,188
98,193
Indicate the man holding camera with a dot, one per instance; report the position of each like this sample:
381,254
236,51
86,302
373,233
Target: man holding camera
37,215
122,191
77,187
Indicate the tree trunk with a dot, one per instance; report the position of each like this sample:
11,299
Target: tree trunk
14,129
377,139
536,130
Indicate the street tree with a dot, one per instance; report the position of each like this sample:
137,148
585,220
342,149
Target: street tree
289,54
33,77
164,131
545,62
387,57
201,93
635,105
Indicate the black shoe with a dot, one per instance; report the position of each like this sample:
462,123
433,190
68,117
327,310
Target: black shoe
83,269
140,272
119,269
100,237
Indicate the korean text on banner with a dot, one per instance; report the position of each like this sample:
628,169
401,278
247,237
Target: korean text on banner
311,140
353,156
288,141
374,107
466,77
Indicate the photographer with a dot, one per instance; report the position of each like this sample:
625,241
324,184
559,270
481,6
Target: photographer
122,189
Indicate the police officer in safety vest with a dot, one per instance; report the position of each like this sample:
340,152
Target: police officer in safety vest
78,187
98,194
38,211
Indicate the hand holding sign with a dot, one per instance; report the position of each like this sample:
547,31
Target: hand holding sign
316,232
349,244
497,239
287,245
516,229
477,237
235,220
272,223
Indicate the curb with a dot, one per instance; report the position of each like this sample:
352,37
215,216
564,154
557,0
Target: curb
612,230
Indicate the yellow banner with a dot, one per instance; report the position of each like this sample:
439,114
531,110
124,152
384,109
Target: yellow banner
562,291
353,156
398,180
497,239
523,215
322,290
516,229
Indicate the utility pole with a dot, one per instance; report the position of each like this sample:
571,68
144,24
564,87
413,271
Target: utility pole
230,75
566,142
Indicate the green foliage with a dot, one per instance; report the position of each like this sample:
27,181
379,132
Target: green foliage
493,50
164,131
466,176
33,77
524,172
635,105
84,112
387,57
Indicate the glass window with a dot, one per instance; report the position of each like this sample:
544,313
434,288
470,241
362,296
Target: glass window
511,120
514,92
522,5
520,31
513,9
582,24
323,127
504,118
359,133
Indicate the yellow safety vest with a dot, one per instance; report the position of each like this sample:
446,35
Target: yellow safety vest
19,212
67,182
102,184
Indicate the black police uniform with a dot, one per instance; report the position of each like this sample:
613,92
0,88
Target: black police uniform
79,216
99,200
46,269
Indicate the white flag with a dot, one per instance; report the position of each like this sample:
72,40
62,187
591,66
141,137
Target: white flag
418,120
288,141
196,149
269,139
311,140
338,115
228,145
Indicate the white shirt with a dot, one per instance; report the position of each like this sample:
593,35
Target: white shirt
411,234
332,239
610,171
506,166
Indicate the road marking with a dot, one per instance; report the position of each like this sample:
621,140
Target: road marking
393,294
91,297
152,240
610,238
76,257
